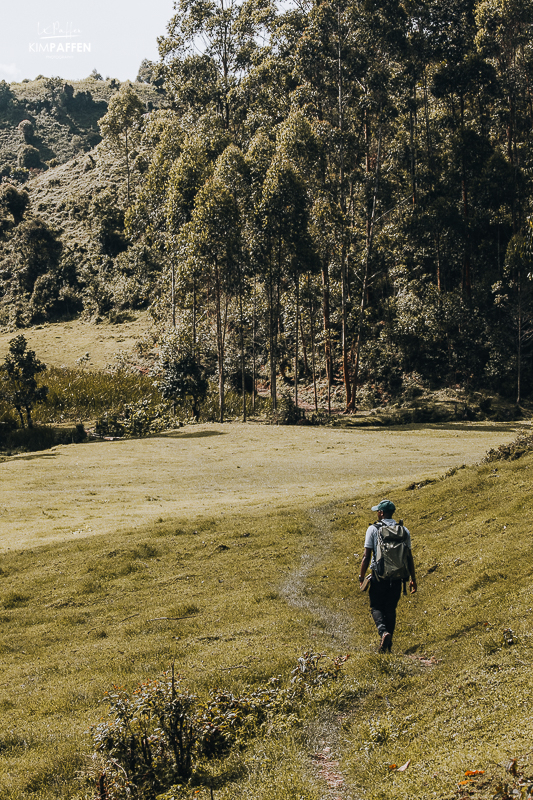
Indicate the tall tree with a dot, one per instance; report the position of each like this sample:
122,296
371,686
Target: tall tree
121,126
212,239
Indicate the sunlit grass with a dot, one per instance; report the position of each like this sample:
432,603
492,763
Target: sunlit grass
211,595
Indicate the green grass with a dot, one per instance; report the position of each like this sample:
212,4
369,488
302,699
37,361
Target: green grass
79,394
454,696
78,617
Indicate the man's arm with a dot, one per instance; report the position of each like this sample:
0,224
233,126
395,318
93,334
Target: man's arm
411,566
364,564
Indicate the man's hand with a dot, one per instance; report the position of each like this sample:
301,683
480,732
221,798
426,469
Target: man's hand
412,586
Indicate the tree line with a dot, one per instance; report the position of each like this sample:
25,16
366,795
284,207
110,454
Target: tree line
339,190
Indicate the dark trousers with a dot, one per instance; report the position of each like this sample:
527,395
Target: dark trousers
384,597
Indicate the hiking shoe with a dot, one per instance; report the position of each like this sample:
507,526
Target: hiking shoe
386,643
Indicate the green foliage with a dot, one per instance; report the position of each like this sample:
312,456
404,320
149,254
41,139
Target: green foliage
120,126
146,71
286,412
14,201
183,378
158,737
139,419
29,157
358,149
522,445
19,370
16,440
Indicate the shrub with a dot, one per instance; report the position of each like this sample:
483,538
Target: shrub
522,445
139,419
20,367
38,437
29,157
156,738
287,413
26,129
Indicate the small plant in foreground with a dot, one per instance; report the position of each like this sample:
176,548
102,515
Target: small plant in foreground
157,739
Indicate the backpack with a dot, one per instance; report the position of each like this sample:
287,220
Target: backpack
392,553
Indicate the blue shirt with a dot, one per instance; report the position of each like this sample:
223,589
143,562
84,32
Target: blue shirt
371,538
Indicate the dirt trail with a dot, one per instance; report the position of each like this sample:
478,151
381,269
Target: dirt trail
337,624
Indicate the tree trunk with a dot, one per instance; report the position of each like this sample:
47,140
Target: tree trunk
344,277
127,164
296,340
466,279
327,327
173,292
307,371
220,343
272,338
253,350
313,356
194,314
28,417
519,353
19,411
345,349
243,383
364,288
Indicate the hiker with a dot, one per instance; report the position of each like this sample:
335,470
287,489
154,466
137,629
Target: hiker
389,545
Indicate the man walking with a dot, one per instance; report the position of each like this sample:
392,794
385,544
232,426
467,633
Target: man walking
389,546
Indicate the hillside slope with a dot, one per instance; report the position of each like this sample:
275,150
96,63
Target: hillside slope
63,115
234,597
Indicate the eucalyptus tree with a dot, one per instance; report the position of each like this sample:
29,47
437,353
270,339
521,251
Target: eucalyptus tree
504,34
189,172
287,248
344,60
209,47
513,296
232,173
212,242
121,126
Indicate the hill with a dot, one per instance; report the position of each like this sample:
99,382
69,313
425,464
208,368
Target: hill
63,118
234,594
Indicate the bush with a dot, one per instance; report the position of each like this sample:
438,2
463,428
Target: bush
26,129
38,438
522,445
287,413
158,738
29,157
139,419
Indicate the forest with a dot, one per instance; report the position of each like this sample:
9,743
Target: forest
333,190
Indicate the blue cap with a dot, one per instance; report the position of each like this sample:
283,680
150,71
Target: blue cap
387,506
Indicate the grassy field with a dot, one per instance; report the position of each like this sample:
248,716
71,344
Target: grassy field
212,469
106,547
62,344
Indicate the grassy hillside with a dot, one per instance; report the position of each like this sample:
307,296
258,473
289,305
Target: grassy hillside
63,344
256,589
64,116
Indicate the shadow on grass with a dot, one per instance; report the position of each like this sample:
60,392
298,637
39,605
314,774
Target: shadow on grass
31,456
497,427
179,435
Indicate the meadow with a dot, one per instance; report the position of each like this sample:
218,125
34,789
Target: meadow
231,550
